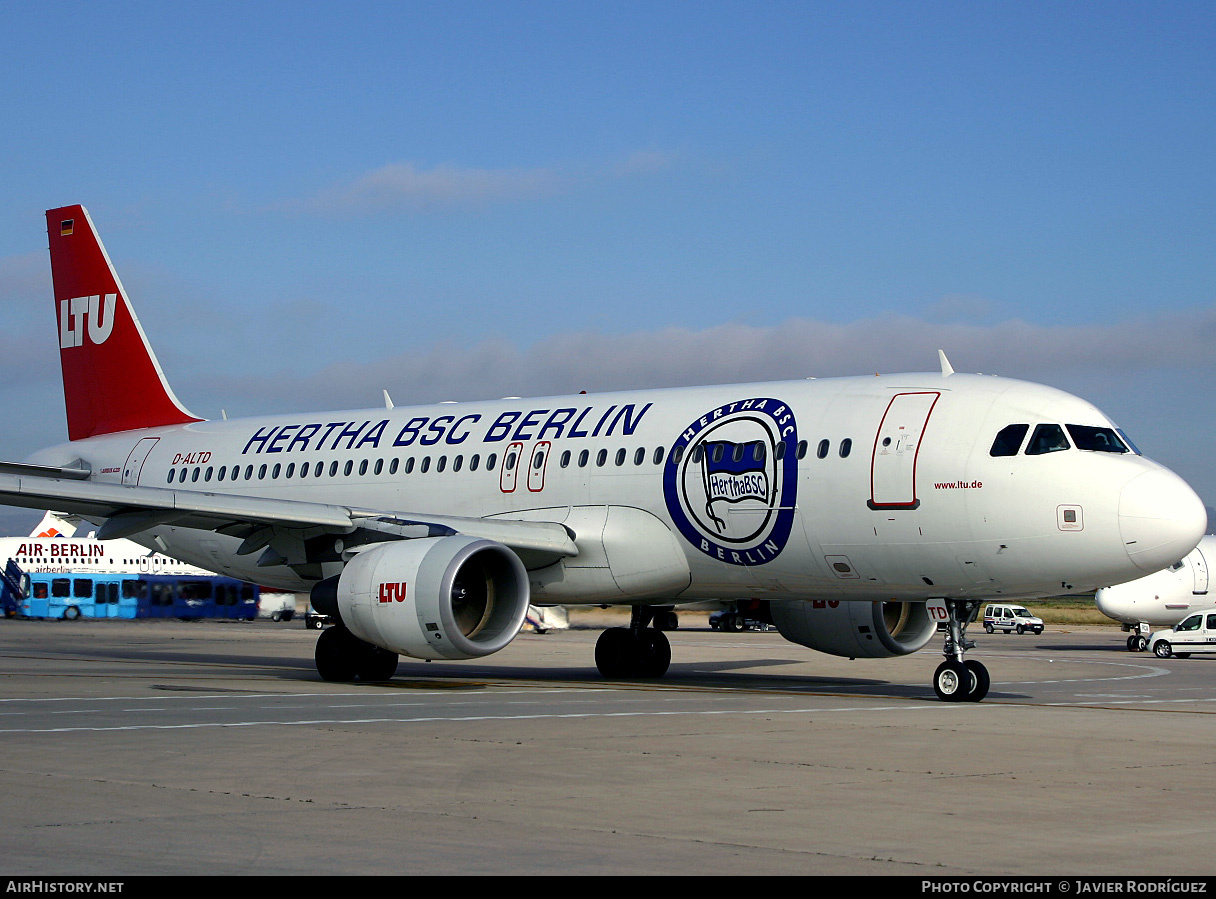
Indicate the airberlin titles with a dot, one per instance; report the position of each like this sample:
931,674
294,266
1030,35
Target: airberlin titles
535,424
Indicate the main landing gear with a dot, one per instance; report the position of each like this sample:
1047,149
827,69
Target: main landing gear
956,679
635,651
341,656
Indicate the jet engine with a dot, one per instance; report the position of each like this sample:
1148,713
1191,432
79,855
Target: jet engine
855,630
453,597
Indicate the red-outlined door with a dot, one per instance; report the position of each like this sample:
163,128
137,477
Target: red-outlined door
896,448
512,459
537,464
135,461
1200,566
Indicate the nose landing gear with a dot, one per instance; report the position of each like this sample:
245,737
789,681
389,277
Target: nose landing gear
956,679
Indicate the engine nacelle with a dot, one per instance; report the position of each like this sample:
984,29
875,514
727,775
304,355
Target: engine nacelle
855,630
437,598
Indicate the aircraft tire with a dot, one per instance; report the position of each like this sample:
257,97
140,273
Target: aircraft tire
612,652
337,655
951,681
654,653
980,680
622,653
376,664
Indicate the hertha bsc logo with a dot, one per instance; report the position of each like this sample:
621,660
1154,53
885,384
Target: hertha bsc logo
732,480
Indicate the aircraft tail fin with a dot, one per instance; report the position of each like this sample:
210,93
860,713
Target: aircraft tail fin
111,379
54,524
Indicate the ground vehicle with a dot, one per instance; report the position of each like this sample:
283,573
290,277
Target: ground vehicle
1011,618
1194,633
314,620
68,596
745,615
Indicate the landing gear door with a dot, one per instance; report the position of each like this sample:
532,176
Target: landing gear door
896,447
1200,566
135,461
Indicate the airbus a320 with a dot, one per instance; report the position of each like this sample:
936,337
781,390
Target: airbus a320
865,511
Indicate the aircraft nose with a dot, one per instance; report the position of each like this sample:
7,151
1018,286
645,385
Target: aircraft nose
1161,519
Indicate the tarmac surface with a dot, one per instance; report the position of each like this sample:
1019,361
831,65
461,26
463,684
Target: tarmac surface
144,747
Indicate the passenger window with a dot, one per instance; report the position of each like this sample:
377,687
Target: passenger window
1047,439
846,446
822,451
1009,440
1211,625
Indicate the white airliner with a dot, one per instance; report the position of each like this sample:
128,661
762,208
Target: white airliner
53,548
1163,598
863,509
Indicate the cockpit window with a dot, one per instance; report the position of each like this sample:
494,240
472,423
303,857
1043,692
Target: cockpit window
1128,441
1101,440
1047,439
1009,440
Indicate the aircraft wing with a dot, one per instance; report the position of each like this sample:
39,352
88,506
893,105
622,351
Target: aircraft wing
130,509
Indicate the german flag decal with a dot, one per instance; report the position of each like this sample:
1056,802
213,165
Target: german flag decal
65,227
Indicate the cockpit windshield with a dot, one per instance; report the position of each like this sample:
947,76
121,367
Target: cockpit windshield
1054,438
1101,440
1047,439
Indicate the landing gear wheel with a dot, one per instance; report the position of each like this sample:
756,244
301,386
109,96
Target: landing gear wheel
336,656
1141,644
376,665
980,680
342,657
1163,650
623,652
613,651
654,656
952,681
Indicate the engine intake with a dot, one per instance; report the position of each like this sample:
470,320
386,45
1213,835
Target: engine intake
438,598
866,630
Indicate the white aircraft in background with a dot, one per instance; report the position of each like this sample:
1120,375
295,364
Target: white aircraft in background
1160,599
864,509
53,548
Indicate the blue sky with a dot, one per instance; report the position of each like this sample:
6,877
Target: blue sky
311,202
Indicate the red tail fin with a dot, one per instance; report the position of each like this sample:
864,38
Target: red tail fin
111,379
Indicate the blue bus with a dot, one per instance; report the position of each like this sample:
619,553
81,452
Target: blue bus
131,595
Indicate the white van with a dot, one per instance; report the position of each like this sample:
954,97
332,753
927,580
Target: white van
1194,633
1011,618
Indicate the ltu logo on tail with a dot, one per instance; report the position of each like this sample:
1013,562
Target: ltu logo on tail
79,313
